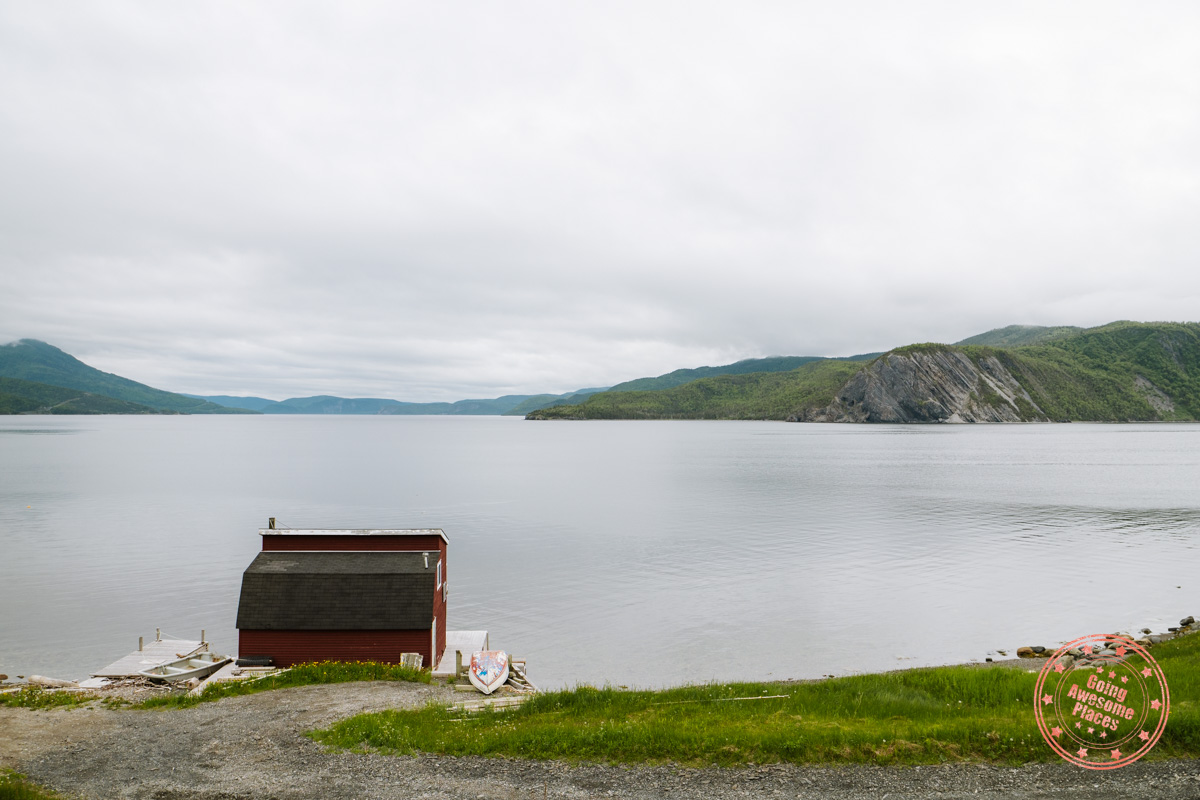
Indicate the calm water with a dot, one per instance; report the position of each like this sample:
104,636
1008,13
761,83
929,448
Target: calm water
638,553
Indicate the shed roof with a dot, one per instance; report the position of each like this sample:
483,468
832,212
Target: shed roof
354,532
340,591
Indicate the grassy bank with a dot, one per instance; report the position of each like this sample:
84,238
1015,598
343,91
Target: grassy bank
37,697
299,675
13,786
920,716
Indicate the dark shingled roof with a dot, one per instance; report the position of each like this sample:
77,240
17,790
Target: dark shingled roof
346,591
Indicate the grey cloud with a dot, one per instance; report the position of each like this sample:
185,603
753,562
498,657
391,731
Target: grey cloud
434,202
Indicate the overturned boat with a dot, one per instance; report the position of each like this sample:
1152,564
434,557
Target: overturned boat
489,670
200,665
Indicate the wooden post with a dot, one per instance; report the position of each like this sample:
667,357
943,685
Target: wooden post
458,663
158,634
140,644
202,636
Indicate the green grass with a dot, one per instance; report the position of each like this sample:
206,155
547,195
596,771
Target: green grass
299,675
920,347
922,716
14,786
36,697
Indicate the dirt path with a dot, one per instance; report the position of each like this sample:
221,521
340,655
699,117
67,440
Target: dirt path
253,747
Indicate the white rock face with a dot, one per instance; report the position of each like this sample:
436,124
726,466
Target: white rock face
935,385
1157,399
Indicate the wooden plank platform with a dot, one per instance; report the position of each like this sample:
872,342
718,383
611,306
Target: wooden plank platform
225,673
153,654
466,641
491,701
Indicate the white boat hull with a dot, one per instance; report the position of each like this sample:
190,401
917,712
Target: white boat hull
489,670
200,665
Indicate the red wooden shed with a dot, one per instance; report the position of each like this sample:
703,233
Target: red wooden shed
345,595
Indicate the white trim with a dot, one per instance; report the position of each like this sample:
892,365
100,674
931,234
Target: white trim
426,552
353,532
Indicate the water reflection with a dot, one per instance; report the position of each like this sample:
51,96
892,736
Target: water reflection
634,553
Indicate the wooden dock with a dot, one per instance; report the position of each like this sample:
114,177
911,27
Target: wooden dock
466,642
150,654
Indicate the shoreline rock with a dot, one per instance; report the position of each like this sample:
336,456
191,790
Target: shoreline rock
1186,625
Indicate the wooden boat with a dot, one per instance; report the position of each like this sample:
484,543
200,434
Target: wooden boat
200,665
489,670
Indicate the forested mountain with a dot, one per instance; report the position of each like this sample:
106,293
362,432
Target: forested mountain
31,360
1123,371
26,397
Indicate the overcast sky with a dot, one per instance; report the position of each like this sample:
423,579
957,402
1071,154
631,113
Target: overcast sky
433,201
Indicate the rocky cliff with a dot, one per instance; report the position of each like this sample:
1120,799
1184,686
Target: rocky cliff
939,383
1120,372
932,384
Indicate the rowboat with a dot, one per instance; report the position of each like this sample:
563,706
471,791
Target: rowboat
200,665
489,670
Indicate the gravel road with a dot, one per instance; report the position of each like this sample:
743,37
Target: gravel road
253,747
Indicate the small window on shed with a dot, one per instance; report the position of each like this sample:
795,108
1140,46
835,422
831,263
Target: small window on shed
439,574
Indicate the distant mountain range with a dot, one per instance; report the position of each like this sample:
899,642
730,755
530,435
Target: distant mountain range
1121,371
513,404
39,378
40,367
677,378
1124,371
325,404
229,401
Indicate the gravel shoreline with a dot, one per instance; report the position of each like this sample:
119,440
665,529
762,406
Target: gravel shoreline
254,747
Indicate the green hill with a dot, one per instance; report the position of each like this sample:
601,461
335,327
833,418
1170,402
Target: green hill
1124,371
540,401
493,406
756,395
745,367
31,360
680,377
1116,372
326,404
1020,335
26,397
230,401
